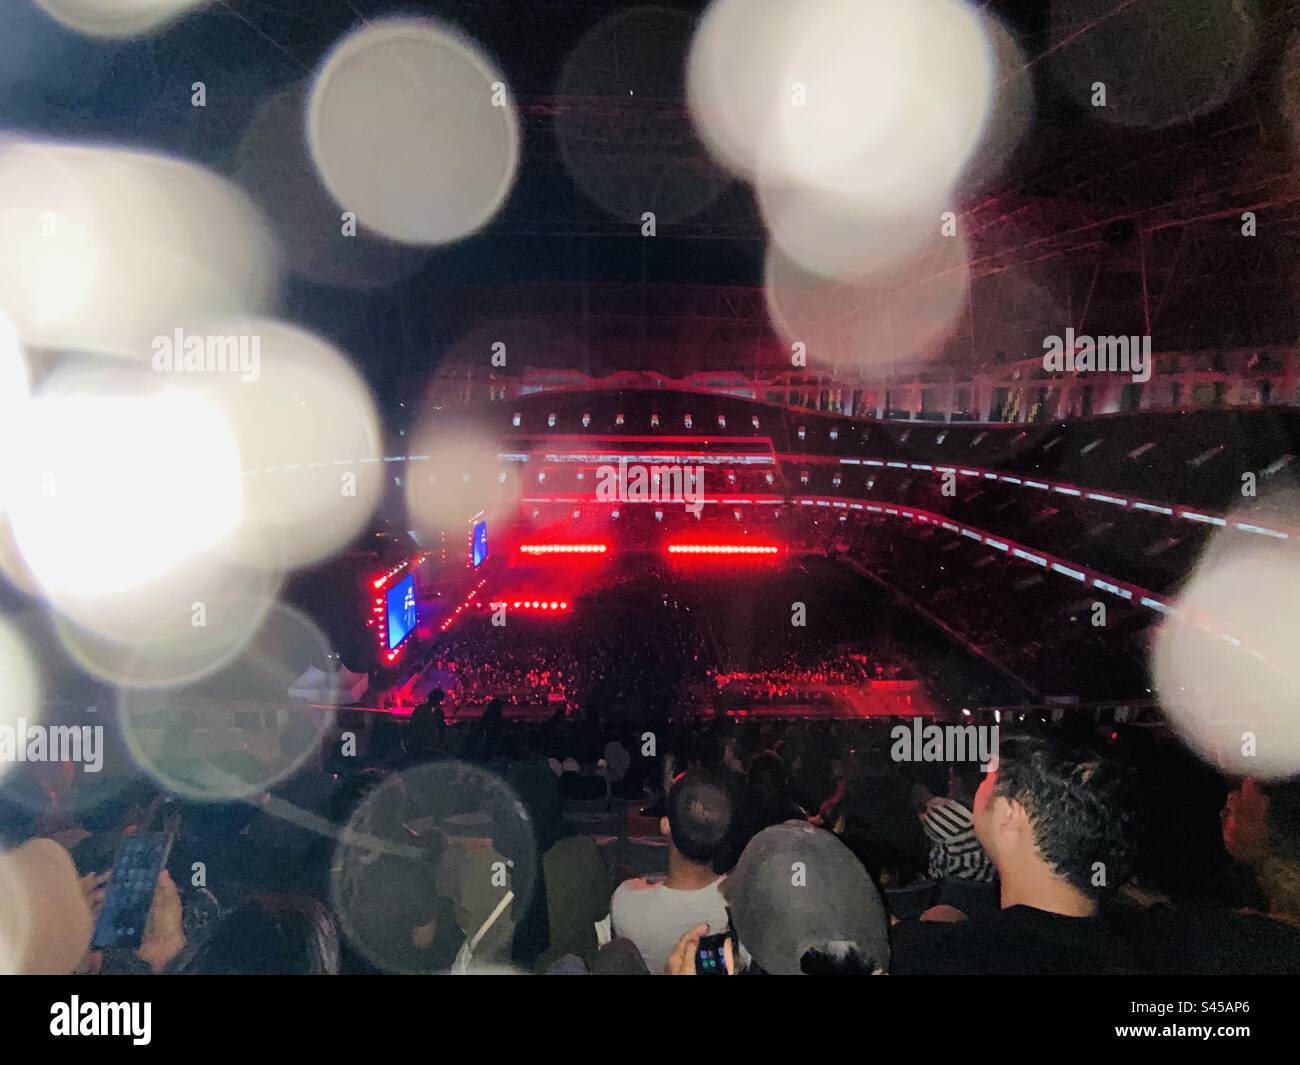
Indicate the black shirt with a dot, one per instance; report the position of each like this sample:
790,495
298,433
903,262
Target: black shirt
1019,940
1205,940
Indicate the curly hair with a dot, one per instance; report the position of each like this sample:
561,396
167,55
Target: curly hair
1081,806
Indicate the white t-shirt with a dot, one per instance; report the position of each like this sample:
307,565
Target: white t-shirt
654,916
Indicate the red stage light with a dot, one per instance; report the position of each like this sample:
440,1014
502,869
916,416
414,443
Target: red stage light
563,549
723,549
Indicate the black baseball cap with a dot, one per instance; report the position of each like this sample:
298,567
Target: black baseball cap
797,887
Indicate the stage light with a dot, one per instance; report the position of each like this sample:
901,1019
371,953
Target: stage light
723,549
563,549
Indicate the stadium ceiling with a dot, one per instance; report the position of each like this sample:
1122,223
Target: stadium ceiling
1090,224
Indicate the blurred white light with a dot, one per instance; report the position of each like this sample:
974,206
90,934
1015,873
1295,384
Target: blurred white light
733,75
890,319
460,477
894,96
107,248
1225,666
116,18
412,130
123,498
837,237
308,441
1010,112
878,105
273,164
111,492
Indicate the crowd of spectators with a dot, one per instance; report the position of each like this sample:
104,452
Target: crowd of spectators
497,843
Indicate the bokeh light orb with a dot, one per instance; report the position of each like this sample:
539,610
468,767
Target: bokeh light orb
1225,666
413,130
234,732
107,248
308,441
117,18
274,166
1161,62
122,481
455,472
879,105
443,841
903,316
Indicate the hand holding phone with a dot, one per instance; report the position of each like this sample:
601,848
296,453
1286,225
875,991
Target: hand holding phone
711,956
129,899
698,954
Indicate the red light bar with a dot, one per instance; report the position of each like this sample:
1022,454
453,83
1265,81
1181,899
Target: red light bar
563,549
723,549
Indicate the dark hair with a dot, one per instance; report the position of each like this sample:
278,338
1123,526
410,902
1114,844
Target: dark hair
700,808
837,959
272,935
1080,804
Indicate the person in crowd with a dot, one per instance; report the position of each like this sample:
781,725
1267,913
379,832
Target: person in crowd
1188,933
953,849
389,890
428,724
584,784
531,779
653,914
769,797
1261,830
270,935
958,864
825,919
874,819
1056,820
47,914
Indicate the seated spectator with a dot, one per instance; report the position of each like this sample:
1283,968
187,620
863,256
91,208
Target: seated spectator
653,914
874,819
1261,829
584,784
828,920
963,871
770,800
954,851
577,897
270,935
1056,821
46,914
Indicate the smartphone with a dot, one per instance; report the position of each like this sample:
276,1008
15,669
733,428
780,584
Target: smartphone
129,898
709,959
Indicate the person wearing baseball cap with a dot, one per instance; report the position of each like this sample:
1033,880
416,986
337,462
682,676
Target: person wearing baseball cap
800,903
